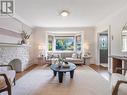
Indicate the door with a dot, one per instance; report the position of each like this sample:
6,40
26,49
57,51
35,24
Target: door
103,48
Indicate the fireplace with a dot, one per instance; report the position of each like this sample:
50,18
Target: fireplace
15,55
16,64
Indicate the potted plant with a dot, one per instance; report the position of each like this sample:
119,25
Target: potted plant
25,37
60,62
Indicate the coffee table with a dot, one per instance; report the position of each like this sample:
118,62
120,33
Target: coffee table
62,70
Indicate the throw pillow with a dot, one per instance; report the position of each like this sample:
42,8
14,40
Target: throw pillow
74,55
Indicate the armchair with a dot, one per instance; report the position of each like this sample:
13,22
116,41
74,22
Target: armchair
119,83
7,78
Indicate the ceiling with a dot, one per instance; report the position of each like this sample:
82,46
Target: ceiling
83,13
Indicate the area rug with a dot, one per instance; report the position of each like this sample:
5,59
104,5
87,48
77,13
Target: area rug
40,81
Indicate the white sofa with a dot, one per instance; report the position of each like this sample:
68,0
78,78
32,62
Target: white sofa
69,57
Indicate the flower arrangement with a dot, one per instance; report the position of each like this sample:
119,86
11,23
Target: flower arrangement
25,37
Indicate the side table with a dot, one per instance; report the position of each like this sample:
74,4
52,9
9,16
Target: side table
40,60
87,59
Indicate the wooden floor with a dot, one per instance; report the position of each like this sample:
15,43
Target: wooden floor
103,71
20,74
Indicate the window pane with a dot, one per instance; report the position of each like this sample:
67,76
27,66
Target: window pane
50,43
78,43
103,41
124,46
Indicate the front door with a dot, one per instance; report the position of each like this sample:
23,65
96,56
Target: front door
103,48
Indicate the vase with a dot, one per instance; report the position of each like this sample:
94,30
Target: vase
25,41
22,42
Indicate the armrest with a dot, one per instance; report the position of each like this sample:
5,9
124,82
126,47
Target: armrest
121,69
115,91
7,66
6,79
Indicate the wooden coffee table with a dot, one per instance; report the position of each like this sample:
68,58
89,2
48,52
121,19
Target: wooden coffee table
62,70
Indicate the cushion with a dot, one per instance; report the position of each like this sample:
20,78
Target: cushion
3,69
79,55
74,60
74,55
123,87
66,55
10,75
2,82
55,55
54,60
115,77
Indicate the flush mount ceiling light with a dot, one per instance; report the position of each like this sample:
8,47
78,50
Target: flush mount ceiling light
64,13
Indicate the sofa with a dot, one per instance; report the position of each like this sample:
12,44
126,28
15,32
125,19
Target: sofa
67,56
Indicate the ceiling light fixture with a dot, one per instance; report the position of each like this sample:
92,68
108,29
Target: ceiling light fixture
64,13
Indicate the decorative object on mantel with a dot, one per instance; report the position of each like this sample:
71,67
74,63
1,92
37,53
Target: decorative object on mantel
25,37
24,34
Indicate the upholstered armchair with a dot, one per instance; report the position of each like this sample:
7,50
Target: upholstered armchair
119,83
7,78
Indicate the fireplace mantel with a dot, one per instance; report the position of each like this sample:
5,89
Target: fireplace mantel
13,45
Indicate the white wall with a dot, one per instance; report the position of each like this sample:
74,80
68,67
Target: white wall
115,21
90,38
40,38
13,25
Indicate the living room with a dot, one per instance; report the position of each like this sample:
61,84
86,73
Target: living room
86,38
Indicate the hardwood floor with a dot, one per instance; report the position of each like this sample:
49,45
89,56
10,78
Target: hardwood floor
103,71
20,74
40,81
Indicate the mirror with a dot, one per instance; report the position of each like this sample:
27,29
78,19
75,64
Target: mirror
124,38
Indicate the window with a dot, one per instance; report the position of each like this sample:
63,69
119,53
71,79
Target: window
124,40
64,43
50,43
78,43
103,41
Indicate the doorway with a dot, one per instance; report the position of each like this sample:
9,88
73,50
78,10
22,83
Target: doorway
103,48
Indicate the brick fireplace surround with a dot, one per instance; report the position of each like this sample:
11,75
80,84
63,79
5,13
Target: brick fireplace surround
16,55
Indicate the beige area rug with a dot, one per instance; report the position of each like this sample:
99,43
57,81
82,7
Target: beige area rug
40,81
